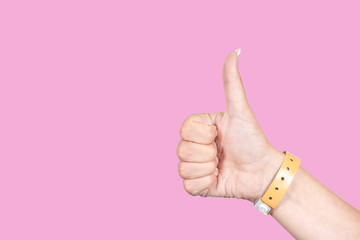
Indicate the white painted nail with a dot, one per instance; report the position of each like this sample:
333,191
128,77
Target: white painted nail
238,51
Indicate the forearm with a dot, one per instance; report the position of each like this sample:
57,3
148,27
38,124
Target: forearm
309,210
226,154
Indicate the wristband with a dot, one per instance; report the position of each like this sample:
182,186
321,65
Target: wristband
279,185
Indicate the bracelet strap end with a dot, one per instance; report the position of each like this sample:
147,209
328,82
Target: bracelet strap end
262,207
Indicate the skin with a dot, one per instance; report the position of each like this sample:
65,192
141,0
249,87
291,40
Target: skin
227,155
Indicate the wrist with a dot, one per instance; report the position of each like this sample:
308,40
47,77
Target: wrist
273,161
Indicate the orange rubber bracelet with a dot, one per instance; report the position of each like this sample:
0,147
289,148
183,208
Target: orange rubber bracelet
279,185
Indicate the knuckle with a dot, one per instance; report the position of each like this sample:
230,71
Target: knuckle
189,188
213,151
182,131
212,132
182,150
183,171
213,166
185,130
191,117
210,180
186,127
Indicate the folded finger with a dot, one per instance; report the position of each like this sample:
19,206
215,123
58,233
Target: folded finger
188,170
196,186
194,152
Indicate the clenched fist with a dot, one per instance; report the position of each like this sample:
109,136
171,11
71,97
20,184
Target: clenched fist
227,154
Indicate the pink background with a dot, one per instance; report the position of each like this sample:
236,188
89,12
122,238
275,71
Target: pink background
93,93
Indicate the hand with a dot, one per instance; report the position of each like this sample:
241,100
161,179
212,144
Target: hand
227,154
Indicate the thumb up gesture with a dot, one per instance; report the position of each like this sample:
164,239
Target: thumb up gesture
226,154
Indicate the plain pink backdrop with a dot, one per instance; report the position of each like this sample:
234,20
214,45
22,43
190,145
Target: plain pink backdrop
93,93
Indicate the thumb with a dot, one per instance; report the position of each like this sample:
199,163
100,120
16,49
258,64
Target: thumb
233,86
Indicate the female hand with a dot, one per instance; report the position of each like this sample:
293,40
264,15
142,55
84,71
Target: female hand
227,154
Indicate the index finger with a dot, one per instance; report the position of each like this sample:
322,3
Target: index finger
198,128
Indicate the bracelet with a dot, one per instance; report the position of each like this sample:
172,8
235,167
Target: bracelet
279,185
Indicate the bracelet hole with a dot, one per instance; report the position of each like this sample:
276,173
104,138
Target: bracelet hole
291,159
276,188
282,178
270,198
288,168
